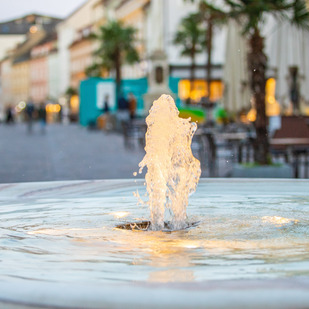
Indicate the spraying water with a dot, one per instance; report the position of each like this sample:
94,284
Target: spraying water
172,171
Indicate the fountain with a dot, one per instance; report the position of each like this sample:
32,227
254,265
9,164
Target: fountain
172,171
59,247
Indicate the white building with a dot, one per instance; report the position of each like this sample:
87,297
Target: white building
53,75
8,42
88,14
157,22
287,49
5,76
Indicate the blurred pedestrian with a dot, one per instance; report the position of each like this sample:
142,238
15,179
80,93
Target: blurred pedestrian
9,115
132,105
105,119
29,114
123,110
122,103
42,117
106,104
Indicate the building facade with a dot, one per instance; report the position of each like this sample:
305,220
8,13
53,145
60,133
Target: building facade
6,88
45,69
20,81
8,42
81,57
147,16
89,15
39,70
53,74
20,36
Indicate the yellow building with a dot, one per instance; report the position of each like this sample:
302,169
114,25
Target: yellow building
20,85
15,71
5,77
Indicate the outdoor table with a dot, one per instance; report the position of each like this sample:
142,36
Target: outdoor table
207,149
286,142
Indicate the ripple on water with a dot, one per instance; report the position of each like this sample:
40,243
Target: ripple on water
75,239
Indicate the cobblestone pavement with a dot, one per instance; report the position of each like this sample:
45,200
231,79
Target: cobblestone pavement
64,152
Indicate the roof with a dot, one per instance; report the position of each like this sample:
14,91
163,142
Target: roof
49,37
22,58
24,48
21,25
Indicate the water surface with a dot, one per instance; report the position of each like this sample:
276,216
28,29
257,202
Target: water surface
65,232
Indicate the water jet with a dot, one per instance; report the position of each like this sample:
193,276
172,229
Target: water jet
172,171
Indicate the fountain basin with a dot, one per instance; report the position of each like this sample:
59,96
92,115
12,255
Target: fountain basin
60,248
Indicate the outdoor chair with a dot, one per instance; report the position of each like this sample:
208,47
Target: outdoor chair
292,142
134,133
204,148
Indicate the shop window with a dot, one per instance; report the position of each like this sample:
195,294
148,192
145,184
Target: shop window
198,89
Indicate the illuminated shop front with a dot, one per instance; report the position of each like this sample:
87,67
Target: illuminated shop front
199,89
272,105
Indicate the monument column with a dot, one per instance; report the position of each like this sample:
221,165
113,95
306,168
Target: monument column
158,64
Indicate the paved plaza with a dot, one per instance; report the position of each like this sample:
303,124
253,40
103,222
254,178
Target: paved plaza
64,152
72,152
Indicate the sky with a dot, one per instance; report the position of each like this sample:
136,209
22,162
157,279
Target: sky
10,9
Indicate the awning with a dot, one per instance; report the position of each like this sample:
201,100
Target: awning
235,76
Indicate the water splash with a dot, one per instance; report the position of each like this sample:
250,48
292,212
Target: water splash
172,171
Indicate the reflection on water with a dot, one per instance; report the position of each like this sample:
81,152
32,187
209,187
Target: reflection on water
172,275
279,221
76,240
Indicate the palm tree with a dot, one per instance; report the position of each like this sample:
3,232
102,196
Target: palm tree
212,18
116,47
190,37
251,15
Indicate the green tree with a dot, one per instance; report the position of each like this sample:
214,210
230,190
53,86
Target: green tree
190,37
251,15
117,46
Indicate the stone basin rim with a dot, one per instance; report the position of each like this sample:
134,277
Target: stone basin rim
270,293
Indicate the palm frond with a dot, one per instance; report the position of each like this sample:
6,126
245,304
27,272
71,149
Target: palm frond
300,15
115,38
190,35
